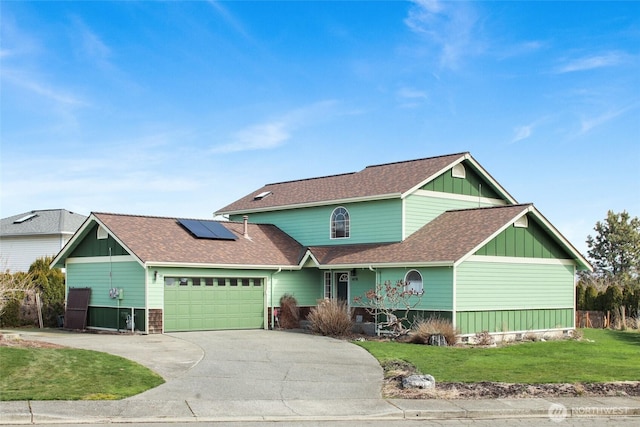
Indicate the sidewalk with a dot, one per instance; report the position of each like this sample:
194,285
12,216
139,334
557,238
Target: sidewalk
131,411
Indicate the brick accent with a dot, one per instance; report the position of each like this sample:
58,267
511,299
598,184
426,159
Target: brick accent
155,321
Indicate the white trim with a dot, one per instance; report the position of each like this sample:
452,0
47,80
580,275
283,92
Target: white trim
387,265
221,266
477,168
519,260
100,259
525,209
454,304
512,308
461,197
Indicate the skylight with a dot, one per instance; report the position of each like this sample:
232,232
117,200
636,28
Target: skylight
262,195
25,218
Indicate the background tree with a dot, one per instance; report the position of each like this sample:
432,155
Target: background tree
614,253
615,250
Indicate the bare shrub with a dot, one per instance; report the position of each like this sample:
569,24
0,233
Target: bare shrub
289,316
331,318
483,338
424,329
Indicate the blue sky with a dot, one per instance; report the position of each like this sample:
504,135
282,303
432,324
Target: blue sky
179,108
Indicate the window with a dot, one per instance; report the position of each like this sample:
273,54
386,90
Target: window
233,282
208,281
340,223
458,171
169,281
257,282
327,285
196,281
413,282
221,281
245,282
184,281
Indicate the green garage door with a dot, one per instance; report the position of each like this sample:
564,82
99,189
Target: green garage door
194,304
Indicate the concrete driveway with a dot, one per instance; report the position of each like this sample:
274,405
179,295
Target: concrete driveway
273,365
240,365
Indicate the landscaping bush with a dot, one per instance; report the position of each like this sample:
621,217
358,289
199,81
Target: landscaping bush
289,313
423,329
331,318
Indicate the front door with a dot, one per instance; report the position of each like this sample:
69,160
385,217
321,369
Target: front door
342,286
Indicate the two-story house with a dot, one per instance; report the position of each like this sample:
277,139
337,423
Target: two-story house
442,225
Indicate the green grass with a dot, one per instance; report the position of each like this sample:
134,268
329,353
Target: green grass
70,374
612,356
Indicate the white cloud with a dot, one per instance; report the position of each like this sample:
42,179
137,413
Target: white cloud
450,26
231,20
522,132
276,132
587,124
41,88
608,59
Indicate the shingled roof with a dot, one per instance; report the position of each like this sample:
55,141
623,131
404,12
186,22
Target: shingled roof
41,222
378,181
161,240
445,240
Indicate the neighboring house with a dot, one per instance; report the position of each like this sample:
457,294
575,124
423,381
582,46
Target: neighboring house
443,225
31,235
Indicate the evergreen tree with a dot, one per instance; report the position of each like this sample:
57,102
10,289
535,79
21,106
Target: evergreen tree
615,250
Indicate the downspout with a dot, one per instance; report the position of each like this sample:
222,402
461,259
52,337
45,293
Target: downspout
273,317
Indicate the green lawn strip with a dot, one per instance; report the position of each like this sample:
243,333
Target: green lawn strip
70,374
612,356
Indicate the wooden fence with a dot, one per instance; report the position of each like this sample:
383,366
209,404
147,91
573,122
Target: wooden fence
592,319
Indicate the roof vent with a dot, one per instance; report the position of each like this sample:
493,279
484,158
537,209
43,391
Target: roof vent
261,195
25,218
458,171
522,222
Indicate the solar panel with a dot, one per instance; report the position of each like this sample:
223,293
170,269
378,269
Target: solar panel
205,229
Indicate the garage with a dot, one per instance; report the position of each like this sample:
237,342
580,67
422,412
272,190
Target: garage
213,303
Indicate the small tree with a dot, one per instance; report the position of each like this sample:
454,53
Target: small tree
394,301
12,291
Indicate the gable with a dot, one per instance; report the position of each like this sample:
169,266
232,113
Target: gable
473,184
91,246
532,241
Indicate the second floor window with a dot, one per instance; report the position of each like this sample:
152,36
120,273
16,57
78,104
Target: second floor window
339,223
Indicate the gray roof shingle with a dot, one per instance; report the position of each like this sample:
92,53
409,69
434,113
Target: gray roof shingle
42,222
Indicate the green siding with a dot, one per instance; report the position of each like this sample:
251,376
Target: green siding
437,283
305,285
472,185
370,222
505,286
420,210
101,276
470,322
530,242
114,318
90,246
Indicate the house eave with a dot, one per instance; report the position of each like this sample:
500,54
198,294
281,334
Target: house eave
171,264
311,204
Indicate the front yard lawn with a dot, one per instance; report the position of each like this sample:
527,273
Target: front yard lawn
70,374
601,356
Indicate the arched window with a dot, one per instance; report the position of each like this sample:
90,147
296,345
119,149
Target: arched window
339,223
413,282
